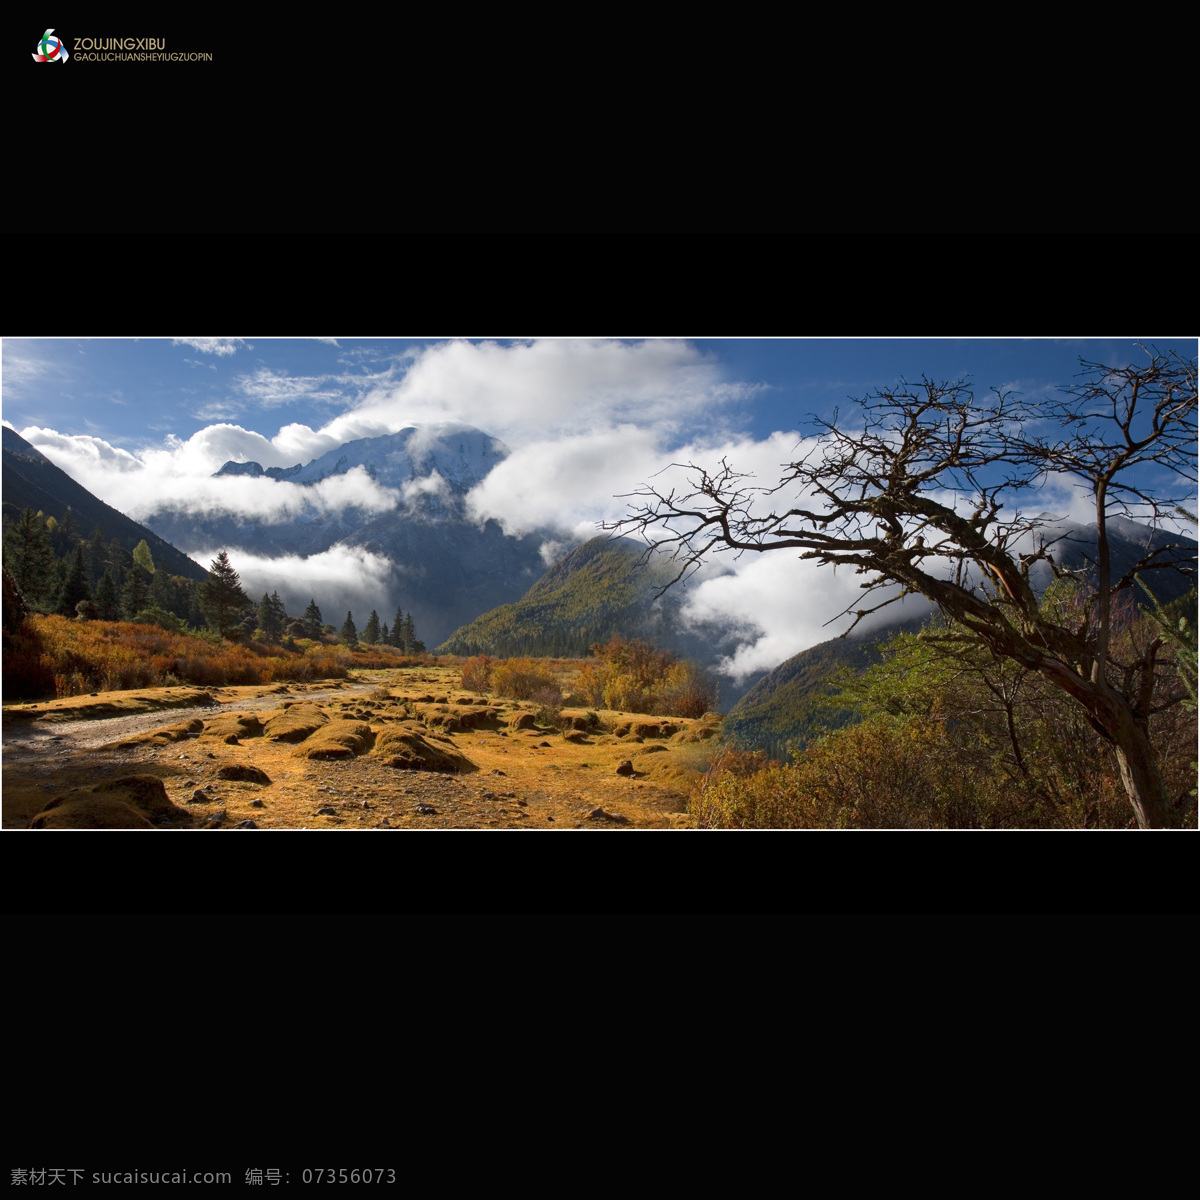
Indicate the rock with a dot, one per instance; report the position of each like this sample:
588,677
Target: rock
232,740
246,824
198,797
625,767
327,811
215,820
426,810
598,814
243,772
256,803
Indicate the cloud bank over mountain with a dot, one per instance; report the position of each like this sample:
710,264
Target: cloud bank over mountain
585,422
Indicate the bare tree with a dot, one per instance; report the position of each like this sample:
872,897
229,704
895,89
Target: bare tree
923,499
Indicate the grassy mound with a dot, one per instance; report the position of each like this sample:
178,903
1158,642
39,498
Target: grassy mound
338,739
294,723
406,749
132,802
239,725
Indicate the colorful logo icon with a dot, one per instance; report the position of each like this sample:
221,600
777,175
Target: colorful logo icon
50,49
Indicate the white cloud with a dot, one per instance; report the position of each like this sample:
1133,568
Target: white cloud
218,346
342,578
179,475
553,388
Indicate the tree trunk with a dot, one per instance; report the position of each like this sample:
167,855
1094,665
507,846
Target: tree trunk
1143,784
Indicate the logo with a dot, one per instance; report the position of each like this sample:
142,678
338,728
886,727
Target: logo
50,49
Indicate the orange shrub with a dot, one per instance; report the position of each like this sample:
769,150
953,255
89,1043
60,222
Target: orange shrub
53,655
520,678
477,673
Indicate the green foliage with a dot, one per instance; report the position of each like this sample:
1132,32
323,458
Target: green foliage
598,589
136,593
108,606
794,703
951,735
221,597
348,634
312,618
271,617
143,557
29,556
1173,620
75,586
370,633
883,773
159,617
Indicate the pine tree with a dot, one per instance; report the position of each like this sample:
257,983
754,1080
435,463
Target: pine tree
29,556
398,630
370,633
313,619
384,636
75,586
409,635
96,557
119,561
271,617
135,595
163,593
108,607
348,634
221,597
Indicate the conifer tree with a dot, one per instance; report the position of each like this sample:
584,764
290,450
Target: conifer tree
29,556
96,557
221,597
348,635
135,595
384,636
119,561
271,617
370,633
107,606
75,586
398,630
313,620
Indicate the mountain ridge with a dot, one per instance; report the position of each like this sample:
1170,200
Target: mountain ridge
31,480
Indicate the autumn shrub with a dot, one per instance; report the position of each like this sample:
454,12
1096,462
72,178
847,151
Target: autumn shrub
549,701
888,772
632,676
52,655
477,673
519,678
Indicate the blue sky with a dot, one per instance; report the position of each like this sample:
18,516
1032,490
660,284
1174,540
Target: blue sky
134,393
143,423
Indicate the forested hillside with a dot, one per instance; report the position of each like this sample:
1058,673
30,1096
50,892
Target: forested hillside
32,481
599,589
789,706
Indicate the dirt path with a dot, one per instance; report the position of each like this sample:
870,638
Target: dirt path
514,778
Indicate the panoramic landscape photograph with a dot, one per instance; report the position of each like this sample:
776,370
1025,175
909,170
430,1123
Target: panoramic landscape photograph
614,584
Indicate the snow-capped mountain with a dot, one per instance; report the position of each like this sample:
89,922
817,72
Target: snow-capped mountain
447,568
460,455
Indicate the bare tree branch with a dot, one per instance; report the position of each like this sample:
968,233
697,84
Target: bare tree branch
924,497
